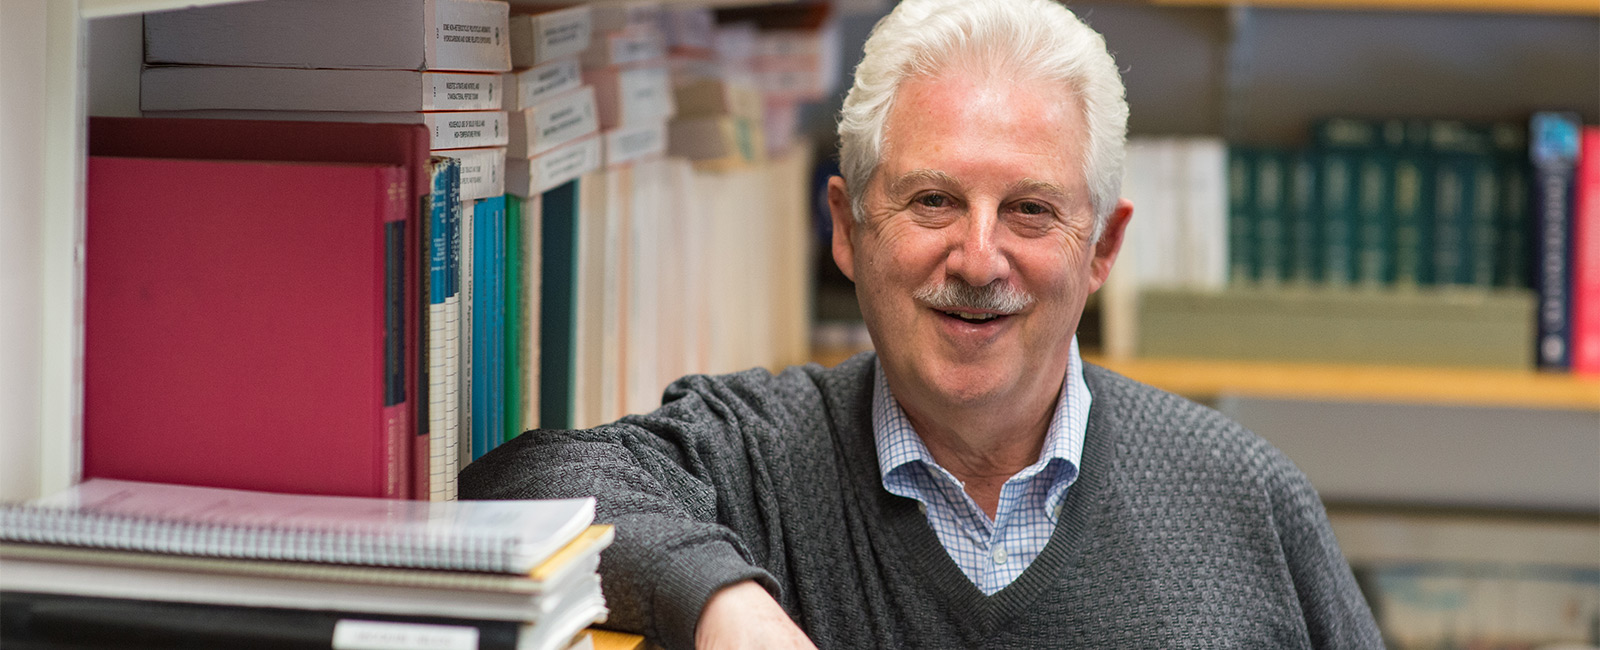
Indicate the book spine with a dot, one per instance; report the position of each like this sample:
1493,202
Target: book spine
511,404
630,143
1412,236
1339,187
1553,148
553,123
466,129
1271,174
396,195
1373,263
90,622
560,165
1305,218
1452,207
636,44
1242,268
439,206
1513,225
1586,258
558,305
469,35
453,335
630,96
483,171
528,88
543,37
467,228
458,91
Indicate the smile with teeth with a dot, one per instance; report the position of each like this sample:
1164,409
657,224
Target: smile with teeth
973,317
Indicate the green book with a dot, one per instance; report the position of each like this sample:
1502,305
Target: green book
1374,223
1242,265
1270,216
1305,219
1513,224
1464,205
1339,178
1413,201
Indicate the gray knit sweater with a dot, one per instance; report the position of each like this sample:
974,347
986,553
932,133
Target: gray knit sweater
1183,531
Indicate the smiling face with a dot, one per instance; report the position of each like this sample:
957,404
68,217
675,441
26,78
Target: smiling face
973,261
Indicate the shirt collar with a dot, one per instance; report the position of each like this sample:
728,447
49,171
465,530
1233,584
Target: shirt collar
899,445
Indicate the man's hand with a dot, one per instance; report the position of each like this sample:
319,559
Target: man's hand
744,615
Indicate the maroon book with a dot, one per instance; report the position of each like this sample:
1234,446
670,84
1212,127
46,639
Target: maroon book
244,325
331,142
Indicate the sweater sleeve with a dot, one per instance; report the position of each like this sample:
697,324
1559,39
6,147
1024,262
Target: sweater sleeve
1336,614
670,482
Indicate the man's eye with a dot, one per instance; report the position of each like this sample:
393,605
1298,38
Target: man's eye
1033,208
933,201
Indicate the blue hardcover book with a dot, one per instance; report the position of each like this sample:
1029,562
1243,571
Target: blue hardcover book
488,322
1553,150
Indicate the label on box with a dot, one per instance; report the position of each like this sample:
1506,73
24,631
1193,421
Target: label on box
463,91
470,35
380,635
646,95
539,84
483,171
466,129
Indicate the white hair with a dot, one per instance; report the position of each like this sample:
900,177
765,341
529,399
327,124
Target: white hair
1026,39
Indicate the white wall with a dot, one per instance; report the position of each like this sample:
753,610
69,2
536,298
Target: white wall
22,75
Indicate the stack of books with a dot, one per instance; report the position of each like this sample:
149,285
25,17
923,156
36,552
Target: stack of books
117,564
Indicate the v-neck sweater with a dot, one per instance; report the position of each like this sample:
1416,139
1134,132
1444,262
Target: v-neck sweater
1184,530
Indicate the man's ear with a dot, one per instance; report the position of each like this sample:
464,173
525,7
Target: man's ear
844,223
1105,250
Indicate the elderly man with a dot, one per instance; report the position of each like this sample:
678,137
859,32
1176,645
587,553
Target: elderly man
973,483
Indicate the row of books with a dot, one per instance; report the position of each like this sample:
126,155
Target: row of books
1380,217
448,306
121,564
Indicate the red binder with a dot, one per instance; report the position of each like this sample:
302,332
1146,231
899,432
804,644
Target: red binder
241,324
405,145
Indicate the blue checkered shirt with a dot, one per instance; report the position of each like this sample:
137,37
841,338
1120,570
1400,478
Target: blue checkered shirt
991,553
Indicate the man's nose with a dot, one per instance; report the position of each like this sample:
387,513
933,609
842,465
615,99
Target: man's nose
975,257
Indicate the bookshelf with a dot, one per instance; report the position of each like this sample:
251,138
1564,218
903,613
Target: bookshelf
1208,380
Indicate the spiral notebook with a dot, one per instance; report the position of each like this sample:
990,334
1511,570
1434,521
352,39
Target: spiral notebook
483,536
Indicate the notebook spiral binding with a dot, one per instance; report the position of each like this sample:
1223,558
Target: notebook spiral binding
454,551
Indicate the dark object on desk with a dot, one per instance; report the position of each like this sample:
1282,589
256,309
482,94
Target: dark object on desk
58,622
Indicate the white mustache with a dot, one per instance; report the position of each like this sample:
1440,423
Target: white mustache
955,295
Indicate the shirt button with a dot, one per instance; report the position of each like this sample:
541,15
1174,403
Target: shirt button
999,555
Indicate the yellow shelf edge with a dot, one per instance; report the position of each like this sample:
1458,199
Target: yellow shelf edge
1577,7
1208,379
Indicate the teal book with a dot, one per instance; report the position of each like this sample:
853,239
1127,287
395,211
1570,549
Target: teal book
488,323
1339,179
1271,207
1305,219
1374,223
1413,203
1464,205
558,309
1242,266
1515,250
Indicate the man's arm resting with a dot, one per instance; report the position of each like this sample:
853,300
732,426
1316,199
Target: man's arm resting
744,615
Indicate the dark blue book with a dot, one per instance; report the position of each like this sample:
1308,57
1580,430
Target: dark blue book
1553,151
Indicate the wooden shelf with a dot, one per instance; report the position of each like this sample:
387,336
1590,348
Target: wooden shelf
1207,379
1576,7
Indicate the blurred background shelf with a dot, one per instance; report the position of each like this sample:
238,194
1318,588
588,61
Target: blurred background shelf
1208,380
